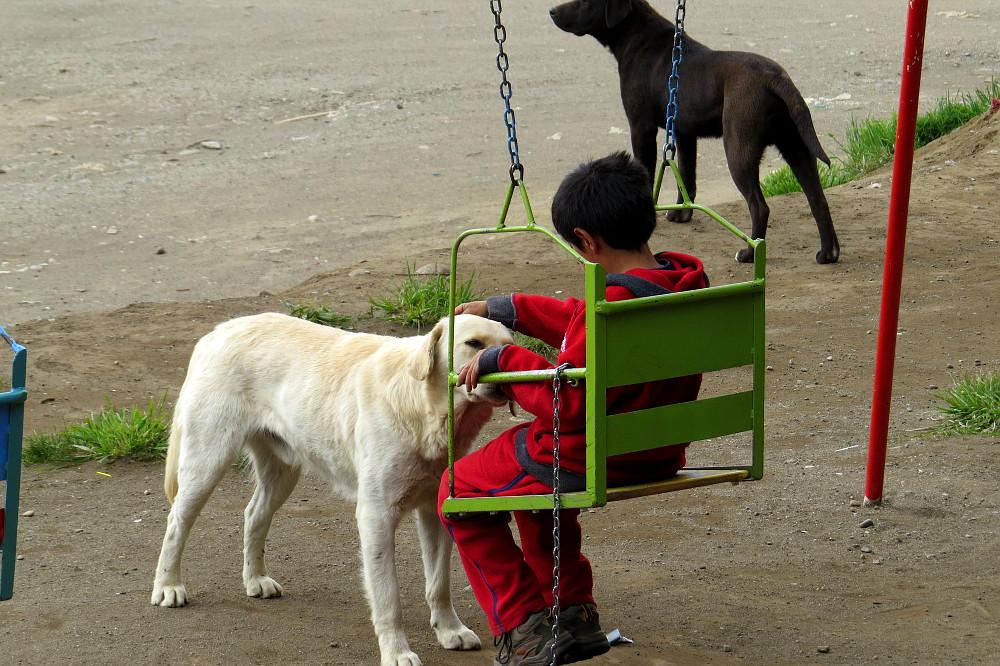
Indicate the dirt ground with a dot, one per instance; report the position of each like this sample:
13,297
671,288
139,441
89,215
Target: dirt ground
762,573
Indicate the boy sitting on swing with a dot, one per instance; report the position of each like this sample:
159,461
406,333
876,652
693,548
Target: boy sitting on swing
605,209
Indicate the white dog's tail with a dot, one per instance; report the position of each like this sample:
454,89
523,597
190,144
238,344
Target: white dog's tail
173,452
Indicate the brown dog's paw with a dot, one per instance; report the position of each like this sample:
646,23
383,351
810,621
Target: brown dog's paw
680,216
828,256
745,256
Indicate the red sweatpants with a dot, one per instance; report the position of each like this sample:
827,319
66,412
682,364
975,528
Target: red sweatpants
510,583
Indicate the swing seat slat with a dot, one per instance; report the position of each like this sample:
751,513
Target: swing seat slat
679,423
685,479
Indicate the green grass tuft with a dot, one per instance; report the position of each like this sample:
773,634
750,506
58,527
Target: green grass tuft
107,435
869,144
423,300
972,405
536,345
318,314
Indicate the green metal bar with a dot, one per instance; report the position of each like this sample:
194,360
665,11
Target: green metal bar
759,361
452,298
658,181
573,374
14,401
578,500
596,386
680,298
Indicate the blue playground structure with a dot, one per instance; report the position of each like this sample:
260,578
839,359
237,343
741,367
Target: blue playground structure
11,430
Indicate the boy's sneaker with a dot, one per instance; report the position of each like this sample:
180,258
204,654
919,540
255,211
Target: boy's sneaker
584,638
528,645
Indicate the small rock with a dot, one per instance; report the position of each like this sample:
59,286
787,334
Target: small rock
314,218
432,269
265,293
210,145
78,530
867,522
399,105
335,644
950,366
21,557
112,230
823,649
160,250
727,648
829,358
875,186
769,368
855,503
4,169
867,549
28,514
357,272
932,386
146,492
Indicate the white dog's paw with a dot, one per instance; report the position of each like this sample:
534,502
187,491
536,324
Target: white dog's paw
462,638
264,587
407,658
169,596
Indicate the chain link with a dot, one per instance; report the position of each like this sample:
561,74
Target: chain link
506,90
556,507
673,83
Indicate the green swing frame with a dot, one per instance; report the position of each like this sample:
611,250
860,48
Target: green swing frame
11,430
635,341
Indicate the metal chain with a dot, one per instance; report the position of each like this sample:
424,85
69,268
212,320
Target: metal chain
673,83
506,90
556,507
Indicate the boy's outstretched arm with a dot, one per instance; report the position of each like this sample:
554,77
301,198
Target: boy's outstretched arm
540,317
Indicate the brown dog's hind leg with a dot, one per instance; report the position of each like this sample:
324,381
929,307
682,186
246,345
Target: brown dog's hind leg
803,165
687,164
743,153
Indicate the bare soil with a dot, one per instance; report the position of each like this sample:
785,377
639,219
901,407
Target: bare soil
761,573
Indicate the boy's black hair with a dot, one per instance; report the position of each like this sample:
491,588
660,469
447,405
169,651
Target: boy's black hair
609,198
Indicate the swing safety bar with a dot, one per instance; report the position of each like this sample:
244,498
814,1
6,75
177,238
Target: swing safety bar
635,341
11,430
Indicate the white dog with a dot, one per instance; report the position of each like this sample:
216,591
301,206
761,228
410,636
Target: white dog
368,412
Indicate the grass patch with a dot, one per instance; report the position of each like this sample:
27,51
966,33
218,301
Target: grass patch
536,345
972,406
423,300
318,314
139,434
869,144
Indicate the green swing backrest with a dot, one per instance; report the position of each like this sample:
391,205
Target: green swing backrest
663,337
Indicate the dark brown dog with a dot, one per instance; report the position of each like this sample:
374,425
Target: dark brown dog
747,99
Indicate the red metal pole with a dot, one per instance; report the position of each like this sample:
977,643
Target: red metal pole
895,242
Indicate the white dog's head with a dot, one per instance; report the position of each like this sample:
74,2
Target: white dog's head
472,334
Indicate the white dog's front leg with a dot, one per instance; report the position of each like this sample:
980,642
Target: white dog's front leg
377,525
435,546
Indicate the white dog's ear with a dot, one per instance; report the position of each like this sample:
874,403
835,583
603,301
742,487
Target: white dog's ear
425,360
615,11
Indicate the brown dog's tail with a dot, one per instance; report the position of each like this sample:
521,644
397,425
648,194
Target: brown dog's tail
783,87
173,452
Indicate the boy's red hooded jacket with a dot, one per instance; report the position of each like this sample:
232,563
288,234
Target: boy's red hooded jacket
561,323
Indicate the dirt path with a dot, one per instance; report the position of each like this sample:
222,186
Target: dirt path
763,573
108,199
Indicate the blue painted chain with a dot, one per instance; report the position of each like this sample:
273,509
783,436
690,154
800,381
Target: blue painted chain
506,90
673,83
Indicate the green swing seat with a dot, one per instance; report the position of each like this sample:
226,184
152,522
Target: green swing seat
636,341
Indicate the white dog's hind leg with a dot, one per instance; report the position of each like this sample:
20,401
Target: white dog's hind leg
377,525
199,472
275,482
435,547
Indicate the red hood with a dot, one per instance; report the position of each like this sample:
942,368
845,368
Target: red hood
680,272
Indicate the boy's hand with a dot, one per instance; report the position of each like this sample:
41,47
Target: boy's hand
477,308
469,374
